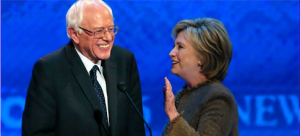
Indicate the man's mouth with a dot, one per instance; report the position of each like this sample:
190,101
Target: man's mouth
103,46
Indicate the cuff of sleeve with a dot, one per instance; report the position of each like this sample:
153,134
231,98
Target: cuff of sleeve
172,124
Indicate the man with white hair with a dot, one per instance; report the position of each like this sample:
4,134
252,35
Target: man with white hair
73,91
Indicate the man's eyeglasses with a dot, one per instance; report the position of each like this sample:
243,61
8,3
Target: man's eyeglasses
113,30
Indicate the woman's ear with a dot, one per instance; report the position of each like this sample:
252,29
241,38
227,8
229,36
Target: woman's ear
73,34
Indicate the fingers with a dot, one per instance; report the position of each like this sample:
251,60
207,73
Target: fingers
169,102
168,85
167,89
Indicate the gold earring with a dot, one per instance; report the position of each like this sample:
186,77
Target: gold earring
199,63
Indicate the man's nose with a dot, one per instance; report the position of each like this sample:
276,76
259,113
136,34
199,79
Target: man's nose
107,36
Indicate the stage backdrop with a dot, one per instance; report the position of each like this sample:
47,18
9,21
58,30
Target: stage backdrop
263,75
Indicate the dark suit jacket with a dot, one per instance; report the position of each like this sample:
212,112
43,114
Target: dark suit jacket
61,99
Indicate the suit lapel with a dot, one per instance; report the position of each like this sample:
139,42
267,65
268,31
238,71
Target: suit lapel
82,77
111,83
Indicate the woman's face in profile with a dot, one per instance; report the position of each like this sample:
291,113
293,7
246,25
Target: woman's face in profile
184,60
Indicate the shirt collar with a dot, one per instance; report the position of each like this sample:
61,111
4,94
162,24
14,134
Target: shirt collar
86,62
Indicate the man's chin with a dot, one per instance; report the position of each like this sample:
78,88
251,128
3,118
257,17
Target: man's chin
104,57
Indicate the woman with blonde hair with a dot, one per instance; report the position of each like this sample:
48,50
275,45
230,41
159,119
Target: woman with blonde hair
201,56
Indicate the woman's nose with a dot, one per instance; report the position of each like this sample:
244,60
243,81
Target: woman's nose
172,53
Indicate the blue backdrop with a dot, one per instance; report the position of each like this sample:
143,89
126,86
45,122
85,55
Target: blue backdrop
263,75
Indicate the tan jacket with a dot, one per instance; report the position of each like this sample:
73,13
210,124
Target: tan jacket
207,110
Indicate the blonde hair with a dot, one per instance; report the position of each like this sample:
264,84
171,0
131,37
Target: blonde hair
209,38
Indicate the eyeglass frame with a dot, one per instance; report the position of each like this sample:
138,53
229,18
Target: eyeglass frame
98,31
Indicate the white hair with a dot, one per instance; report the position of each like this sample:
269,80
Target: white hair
75,13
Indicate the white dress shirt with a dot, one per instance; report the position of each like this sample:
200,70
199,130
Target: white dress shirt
89,65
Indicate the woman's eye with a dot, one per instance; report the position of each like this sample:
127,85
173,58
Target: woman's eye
178,46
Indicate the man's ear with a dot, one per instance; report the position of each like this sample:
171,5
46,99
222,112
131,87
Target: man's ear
73,34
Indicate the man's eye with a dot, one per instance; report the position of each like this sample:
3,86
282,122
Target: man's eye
100,31
110,29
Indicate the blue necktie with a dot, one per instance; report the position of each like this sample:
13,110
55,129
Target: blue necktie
99,91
